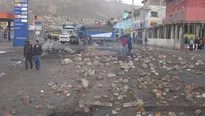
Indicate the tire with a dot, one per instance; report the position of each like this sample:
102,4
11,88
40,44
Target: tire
62,42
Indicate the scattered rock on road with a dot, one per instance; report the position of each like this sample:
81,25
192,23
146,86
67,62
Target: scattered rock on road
69,50
85,83
111,75
114,112
198,112
2,74
66,61
144,65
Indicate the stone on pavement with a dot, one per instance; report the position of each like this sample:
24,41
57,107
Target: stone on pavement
85,83
69,50
114,112
198,112
111,75
66,61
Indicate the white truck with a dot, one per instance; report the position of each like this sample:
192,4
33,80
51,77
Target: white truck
66,34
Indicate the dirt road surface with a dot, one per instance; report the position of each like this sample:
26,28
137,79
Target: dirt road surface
150,82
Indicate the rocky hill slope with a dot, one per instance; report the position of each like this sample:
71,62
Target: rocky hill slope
93,9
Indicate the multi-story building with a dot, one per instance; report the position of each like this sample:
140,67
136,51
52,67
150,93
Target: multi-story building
152,14
155,12
185,10
183,18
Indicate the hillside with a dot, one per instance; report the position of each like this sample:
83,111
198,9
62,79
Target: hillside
88,9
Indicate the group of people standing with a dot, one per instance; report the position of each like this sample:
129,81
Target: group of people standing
194,44
32,54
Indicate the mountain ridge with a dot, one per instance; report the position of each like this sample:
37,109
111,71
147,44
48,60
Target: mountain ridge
92,9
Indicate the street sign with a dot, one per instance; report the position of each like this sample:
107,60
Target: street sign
20,22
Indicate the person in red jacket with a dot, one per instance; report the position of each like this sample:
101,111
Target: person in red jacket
204,42
124,43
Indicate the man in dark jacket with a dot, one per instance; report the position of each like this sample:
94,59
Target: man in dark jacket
49,37
28,54
37,51
129,45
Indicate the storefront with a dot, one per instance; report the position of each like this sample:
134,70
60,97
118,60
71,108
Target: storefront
6,20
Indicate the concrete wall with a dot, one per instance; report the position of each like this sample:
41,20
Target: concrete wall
167,43
31,35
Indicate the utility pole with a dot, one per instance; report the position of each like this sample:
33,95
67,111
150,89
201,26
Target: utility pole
132,27
144,30
120,27
120,23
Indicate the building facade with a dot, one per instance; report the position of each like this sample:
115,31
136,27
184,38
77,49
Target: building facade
183,17
156,12
185,10
151,15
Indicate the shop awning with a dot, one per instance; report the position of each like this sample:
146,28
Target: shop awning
4,16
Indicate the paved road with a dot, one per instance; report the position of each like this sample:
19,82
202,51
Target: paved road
5,46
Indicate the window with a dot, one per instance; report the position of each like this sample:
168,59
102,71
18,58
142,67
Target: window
169,2
176,17
153,24
154,14
170,17
182,16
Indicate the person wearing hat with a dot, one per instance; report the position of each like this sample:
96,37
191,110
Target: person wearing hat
28,54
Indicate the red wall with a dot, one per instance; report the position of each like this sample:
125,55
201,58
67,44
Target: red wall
195,10
176,8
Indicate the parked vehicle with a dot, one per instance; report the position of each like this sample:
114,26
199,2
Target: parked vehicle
55,35
96,33
68,35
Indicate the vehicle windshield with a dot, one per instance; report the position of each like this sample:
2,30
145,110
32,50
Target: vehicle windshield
65,31
102,58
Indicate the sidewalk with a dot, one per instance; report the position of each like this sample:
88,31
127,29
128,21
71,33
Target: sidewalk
198,54
5,46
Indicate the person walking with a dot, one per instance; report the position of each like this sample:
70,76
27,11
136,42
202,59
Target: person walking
197,42
129,45
49,37
37,51
124,43
201,43
204,42
28,54
186,43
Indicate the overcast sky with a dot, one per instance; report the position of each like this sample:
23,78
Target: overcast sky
137,2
